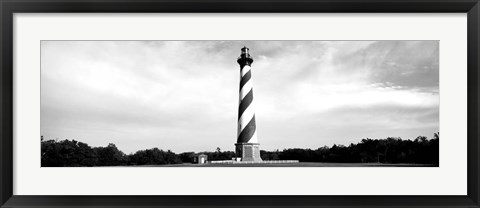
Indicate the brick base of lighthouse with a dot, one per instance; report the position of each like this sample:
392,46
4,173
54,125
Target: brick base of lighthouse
248,151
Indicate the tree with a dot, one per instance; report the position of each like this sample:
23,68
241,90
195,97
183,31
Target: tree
110,155
154,156
66,153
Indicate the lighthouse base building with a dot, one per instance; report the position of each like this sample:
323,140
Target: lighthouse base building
248,151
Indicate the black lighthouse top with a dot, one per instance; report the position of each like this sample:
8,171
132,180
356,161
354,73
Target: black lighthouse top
245,58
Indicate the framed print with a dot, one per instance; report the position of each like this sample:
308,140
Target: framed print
239,104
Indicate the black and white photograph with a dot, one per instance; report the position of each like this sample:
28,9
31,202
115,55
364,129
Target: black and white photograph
239,103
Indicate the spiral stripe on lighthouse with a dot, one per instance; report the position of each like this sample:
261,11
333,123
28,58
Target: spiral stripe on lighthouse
244,79
245,69
248,133
246,114
245,103
245,89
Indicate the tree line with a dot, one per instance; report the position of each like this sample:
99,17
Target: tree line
389,150
72,153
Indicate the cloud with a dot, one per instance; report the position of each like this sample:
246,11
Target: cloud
409,64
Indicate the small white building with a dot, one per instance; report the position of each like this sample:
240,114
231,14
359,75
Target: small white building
202,158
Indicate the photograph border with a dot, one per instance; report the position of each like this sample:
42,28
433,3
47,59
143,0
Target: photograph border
9,7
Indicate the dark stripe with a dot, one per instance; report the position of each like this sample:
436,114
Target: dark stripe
245,79
245,103
247,132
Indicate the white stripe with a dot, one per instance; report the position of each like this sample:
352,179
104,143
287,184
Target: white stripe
247,115
246,89
245,69
254,138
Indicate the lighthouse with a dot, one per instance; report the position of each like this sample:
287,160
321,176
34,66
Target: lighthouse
247,147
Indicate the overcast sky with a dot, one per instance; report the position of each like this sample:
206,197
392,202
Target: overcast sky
183,95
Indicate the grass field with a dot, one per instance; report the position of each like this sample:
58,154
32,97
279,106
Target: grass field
301,164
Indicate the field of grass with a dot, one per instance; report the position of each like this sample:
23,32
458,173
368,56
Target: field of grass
301,164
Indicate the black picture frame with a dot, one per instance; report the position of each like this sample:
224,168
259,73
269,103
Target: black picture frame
9,7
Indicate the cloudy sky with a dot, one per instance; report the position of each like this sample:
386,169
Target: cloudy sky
183,95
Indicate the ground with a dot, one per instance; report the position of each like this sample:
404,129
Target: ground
301,164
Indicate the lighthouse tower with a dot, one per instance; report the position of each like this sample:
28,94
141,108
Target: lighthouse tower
247,146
